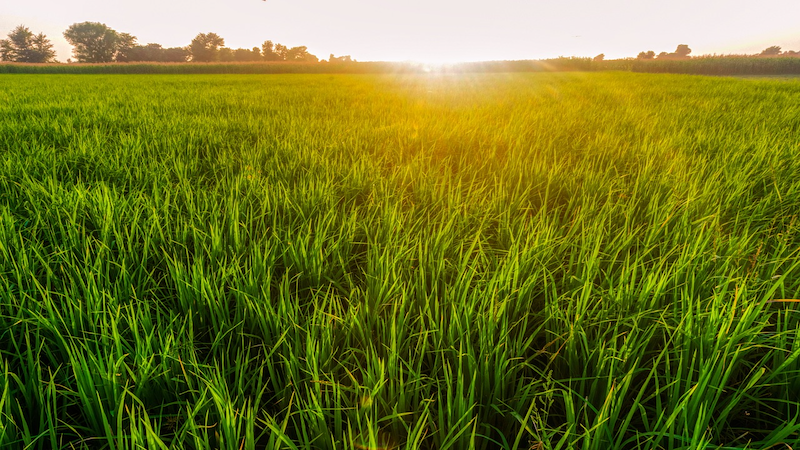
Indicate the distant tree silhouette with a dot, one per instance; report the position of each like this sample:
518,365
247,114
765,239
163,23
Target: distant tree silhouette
682,51
245,55
345,58
300,54
268,51
176,54
42,50
276,52
205,47
775,50
646,55
280,52
599,57
239,54
225,55
125,43
24,46
149,52
156,53
95,42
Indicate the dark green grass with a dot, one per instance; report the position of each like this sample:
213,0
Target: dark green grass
548,261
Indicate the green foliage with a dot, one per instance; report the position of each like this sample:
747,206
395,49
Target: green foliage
300,54
268,51
278,52
155,53
25,47
205,47
682,51
95,42
443,261
125,44
646,55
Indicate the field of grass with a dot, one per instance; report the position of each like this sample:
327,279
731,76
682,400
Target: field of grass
702,65
370,67
720,65
528,261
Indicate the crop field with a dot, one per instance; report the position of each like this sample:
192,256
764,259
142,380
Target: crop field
719,65
739,65
476,261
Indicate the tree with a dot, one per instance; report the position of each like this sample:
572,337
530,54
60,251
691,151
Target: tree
300,54
775,50
599,57
245,55
17,46
24,46
125,43
149,52
682,51
42,50
205,47
340,59
646,55
268,51
664,55
156,53
95,42
225,55
175,54
280,52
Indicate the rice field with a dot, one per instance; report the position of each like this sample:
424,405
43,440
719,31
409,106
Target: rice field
561,64
476,261
720,65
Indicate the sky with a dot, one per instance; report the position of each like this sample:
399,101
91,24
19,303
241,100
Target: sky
432,31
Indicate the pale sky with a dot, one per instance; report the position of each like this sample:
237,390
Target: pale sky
432,30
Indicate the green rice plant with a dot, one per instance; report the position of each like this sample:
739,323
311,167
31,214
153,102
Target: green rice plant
399,260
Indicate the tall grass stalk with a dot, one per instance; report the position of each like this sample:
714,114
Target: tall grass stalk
517,261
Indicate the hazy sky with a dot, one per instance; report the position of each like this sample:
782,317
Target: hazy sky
433,30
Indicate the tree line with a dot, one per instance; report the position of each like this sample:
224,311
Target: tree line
24,46
683,51
95,42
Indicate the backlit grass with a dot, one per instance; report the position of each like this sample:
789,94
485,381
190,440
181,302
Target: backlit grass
530,261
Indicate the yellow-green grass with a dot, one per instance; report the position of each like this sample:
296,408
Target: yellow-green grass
530,261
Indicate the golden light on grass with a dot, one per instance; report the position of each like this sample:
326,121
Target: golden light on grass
538,296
